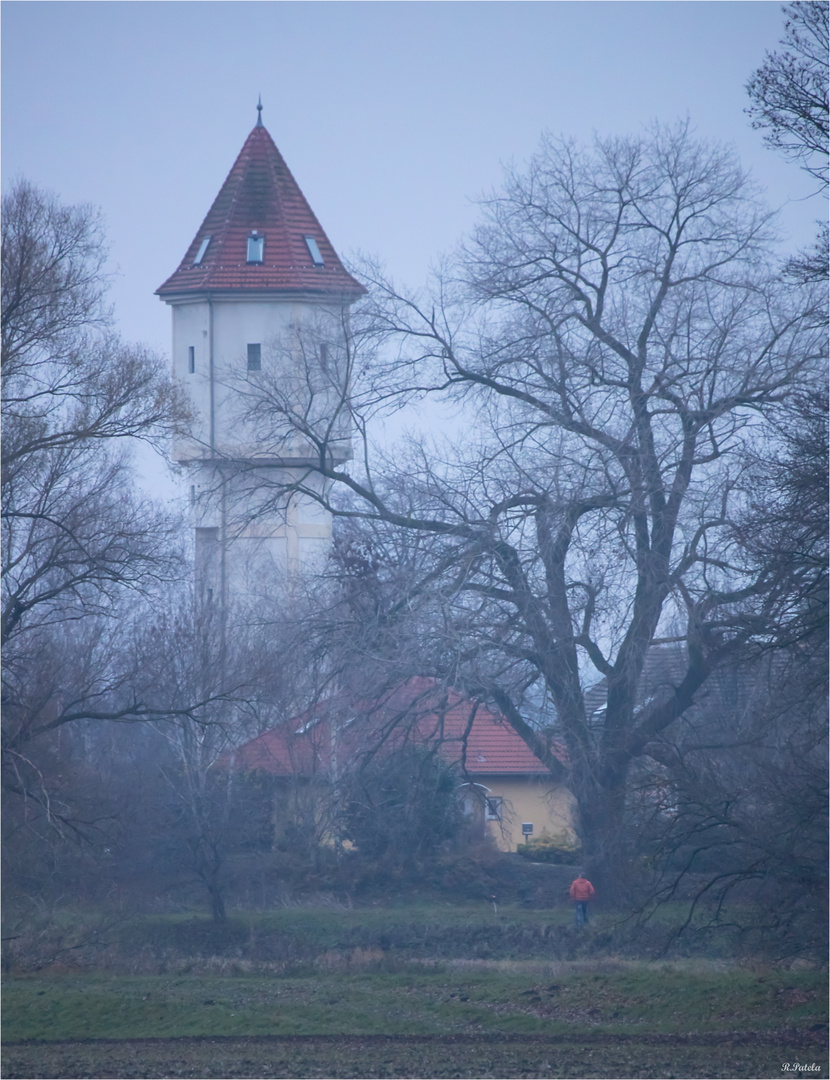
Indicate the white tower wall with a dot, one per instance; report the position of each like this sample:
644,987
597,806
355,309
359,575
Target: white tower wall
246,539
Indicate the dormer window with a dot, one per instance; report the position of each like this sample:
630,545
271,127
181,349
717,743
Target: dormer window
200,254
314,251
256,247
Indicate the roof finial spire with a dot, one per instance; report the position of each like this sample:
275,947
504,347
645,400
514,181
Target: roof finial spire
259,112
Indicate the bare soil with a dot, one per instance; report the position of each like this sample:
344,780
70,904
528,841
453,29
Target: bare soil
732,1055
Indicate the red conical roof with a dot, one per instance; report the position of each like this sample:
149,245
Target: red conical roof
261,195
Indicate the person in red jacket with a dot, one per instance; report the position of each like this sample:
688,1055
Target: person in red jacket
581,892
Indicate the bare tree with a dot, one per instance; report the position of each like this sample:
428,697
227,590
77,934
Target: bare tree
614,332
195,662
67,379
790,105
223,677
77,539
789,92
73,397
787,522
745,812
784,527
54,283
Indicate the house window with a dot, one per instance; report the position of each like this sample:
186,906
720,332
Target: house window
255,357
314,251
493,808
324,357
256,246
200,254
191,359
192,494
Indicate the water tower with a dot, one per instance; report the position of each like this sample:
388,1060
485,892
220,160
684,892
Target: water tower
260,307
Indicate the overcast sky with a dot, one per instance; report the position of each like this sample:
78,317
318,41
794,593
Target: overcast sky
393,117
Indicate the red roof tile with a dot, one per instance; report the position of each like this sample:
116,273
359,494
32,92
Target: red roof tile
420,711
261,194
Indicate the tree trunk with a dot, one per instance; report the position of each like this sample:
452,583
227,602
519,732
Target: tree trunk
217,904
606,851
209,874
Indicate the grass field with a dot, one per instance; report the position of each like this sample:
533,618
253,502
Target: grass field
476,1020
292,937
414,991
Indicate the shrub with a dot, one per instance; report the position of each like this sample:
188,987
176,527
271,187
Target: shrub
400,807
557,848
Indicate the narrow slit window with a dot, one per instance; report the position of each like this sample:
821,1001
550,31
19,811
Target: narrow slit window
200,254
324,356
255,357
314,251
256,248
191,359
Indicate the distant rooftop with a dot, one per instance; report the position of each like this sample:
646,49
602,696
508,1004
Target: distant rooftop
420,712
261,234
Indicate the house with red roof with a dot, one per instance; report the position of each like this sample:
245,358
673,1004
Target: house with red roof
502,785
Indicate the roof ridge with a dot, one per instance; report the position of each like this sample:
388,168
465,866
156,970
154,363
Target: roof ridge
495,745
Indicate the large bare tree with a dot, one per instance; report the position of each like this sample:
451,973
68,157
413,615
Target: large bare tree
612,338
77,537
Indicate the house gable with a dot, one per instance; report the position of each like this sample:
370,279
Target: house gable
493,761
419,712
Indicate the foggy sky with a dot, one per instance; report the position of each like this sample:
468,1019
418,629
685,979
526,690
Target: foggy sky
393,117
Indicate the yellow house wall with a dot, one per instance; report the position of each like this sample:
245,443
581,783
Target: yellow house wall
549,807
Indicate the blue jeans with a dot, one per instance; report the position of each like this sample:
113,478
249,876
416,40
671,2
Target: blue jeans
581,913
